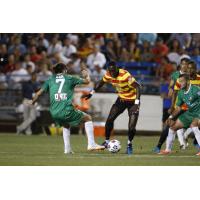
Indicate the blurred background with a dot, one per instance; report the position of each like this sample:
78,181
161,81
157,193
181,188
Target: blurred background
26,61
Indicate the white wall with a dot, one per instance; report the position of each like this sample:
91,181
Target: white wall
150,118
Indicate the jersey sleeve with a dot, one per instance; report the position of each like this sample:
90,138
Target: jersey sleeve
76,81
131,80
106,78
45,86
173,77
177,85
179,99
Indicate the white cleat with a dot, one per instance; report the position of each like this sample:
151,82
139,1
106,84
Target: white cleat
95,147
68,152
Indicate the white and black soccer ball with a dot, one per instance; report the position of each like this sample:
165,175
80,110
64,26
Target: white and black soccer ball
114,146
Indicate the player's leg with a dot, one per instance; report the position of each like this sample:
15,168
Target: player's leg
164,133
133,112
89,129
66,139
180,134
171,136
117,108
195,129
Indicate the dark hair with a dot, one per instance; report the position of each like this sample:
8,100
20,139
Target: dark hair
112,63
186,76
59,67
185,59
193,64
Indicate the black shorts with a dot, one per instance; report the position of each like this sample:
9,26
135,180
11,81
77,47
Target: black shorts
130,105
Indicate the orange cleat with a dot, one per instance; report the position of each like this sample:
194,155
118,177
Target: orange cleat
164,152
198,154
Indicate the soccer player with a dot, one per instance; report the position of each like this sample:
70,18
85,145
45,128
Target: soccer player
61,88
172,94
189,95
128,98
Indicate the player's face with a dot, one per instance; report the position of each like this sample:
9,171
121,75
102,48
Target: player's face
114,71
184,66
191,70
183,82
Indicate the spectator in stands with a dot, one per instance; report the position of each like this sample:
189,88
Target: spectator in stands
35,57
134,52
42,40
149,37
75,63
3,55
111,54
41,46
17,45
44,74
68,48
86,48
96,56
196,57
18,76
160,50
27,61
55,46
124,56
30,111
183,38
165,69
174,51
98,72
3,81
10,66
146,52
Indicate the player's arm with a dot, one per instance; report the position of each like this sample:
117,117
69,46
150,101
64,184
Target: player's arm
170,88
35,98
96,88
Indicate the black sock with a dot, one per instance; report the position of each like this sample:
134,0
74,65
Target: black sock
163,137
195,141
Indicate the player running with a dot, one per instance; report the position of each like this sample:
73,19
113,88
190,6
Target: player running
172,94
128,98
60,87
189,95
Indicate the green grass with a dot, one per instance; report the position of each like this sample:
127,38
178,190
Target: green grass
48,151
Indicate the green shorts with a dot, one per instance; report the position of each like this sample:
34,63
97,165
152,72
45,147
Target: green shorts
187,117
70,117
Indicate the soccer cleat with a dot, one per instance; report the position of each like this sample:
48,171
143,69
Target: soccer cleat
105,144
156,150
182,147
198,154
68,152
129,149
164,152
95,147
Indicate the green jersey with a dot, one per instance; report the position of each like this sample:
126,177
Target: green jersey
175,75
191,98
61,90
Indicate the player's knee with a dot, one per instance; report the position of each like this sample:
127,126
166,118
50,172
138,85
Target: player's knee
87,118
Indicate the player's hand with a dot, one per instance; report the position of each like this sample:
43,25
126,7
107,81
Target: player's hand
170,111
29,102
86,96
170,93
169,122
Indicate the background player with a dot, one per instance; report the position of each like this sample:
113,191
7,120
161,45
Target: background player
128,98
172,94
61,88
190,95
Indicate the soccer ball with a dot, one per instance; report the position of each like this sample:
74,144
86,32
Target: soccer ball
114,146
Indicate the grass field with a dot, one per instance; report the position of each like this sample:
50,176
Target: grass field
48,151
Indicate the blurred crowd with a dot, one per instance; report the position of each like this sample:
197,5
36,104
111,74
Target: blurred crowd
23,54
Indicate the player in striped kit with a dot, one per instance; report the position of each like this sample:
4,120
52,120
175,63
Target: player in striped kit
128,90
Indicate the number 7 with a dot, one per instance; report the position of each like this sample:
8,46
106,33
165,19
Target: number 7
61,84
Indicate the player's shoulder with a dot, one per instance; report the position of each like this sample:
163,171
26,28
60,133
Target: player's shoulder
175,74
198,77
124,73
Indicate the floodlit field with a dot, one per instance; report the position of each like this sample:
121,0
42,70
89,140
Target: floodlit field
48,151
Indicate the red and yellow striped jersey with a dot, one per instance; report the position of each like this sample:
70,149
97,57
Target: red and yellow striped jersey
123,84
177,87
